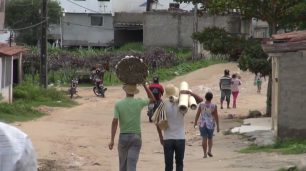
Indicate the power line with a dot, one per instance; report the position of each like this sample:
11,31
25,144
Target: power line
84,7
28,27
24,28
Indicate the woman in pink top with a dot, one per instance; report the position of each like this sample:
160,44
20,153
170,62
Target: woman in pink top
235,88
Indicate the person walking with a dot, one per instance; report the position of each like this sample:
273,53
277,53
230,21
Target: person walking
16,152
225,88
157,90
207,118
236,82
258,81
127,113
173,139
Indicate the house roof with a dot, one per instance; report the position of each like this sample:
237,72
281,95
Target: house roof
7,50
286,42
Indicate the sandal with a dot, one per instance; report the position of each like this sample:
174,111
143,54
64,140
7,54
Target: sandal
209,154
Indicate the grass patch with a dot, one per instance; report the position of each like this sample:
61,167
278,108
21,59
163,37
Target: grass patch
17,112
136,46
183,68
290,169
292,146
27,97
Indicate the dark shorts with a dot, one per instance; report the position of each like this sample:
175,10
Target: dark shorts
226,94
206,133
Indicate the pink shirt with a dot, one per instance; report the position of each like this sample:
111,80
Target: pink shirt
235,85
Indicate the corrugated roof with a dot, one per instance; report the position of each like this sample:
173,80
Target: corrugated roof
7,50
286,42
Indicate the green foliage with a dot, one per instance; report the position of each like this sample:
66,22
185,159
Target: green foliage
131,46
27,97
290,146
24,13
183,68
17,112
278,13
254,59
33,95
218,41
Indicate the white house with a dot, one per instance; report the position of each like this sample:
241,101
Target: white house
139,6
84,23
92,22
10,69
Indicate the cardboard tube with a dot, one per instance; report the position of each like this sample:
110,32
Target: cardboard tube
192,103
184,98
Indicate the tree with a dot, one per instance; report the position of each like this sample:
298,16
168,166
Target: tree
279,14
219,41
24,13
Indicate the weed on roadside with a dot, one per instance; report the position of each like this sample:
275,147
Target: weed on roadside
290,146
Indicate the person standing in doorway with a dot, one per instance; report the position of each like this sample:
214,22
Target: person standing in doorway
225,88
207,118
236,82
173,139
127,113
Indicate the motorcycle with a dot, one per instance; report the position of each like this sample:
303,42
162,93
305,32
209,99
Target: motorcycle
99,88
73,87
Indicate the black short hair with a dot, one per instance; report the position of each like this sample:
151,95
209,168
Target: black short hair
155,79
226,72
209,96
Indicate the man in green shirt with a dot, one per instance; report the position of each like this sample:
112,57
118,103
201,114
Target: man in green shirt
127,113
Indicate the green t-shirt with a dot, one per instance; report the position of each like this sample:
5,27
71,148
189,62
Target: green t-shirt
128,112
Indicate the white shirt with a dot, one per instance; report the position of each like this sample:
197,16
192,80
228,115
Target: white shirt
16,150
235,84
176,129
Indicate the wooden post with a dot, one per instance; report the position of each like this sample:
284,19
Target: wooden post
43,48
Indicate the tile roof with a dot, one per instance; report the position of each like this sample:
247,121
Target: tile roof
7,50
285,42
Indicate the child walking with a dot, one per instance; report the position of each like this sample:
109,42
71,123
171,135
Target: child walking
235,88
207,118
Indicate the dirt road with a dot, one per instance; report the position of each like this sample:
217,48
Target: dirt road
76,138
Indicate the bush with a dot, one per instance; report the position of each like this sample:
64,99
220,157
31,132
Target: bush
254,59
35,96
219,41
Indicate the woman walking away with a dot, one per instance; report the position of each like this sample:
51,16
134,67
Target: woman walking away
208,118
236,82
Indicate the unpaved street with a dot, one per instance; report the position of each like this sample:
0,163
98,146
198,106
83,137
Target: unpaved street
77,138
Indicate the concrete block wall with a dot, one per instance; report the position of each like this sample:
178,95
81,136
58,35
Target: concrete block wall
292,95
80,31
174,29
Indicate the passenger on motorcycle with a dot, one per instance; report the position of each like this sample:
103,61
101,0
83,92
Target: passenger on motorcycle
97,75
157,90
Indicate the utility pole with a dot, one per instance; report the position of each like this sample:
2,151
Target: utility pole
148,6
43,47
195,29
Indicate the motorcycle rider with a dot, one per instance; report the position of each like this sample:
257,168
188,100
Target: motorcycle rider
157,90
97,75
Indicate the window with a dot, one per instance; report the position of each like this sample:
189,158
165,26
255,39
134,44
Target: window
97,20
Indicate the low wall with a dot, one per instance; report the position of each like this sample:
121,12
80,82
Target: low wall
174,29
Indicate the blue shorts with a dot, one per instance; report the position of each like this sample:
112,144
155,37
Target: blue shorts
206,133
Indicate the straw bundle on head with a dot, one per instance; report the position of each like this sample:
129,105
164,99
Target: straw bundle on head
131,70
